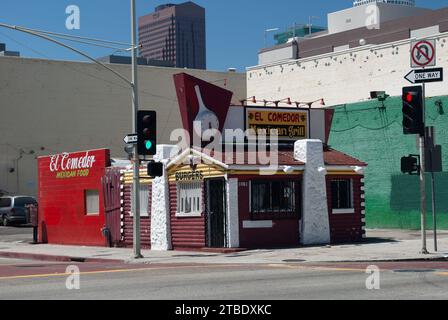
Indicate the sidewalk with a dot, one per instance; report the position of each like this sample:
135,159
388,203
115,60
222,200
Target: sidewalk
382,245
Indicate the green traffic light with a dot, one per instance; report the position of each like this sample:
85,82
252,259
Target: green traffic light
148,145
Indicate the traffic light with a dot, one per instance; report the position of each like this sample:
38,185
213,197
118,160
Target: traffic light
410,165
413,122
147,133
155,169
380,95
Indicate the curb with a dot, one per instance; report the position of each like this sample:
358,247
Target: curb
435,259
56,258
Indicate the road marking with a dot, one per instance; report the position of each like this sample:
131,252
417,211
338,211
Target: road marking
280,266
301,267
342,269
51,275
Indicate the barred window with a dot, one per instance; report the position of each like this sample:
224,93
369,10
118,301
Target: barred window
273,197
144,200
189,198
341,194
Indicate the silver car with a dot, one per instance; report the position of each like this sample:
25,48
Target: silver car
13,209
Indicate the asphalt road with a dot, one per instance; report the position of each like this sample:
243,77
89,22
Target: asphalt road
42,281
16,234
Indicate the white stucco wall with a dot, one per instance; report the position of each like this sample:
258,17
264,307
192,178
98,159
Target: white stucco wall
343,77
315,226
55,106
233,223
282,54
160,204
358,17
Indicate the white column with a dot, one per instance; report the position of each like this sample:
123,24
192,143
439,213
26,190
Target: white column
160,204
233,221
315,227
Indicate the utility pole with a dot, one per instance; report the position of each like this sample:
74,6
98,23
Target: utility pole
136,160
132,83
423,178
434,165
434,210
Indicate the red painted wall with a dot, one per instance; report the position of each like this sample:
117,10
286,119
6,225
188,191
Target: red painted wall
128,221
186,233
347,227
285,231
62,186
190,233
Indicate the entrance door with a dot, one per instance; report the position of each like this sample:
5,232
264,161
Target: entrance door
112,206
216,213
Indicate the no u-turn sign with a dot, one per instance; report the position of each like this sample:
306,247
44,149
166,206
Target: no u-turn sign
423,53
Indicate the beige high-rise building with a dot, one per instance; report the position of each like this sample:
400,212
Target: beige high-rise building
175,33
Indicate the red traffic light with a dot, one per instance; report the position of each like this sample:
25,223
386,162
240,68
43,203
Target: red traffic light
147,119
409,96
413,121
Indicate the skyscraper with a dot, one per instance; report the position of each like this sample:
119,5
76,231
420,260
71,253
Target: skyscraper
175,33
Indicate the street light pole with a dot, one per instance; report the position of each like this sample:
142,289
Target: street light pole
134,85
136,160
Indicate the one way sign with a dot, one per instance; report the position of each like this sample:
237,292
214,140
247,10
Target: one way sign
425,75
131,139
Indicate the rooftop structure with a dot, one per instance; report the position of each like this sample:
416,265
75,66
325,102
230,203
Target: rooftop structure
410,3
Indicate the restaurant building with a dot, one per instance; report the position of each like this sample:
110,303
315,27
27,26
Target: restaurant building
248,188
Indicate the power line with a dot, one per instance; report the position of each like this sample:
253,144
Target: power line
111,82
77,37
90,43
24,45
48,38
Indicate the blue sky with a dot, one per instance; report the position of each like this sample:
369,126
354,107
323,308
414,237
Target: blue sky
235,28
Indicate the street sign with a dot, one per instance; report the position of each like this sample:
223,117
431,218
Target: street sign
131,139
425,75
423,53
433,152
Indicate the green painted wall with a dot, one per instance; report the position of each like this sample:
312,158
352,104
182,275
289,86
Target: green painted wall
374,134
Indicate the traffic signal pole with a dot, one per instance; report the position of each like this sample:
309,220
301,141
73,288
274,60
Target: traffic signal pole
136,160
423,179
434,211
134,85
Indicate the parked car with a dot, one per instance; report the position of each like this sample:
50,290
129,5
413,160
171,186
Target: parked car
13,209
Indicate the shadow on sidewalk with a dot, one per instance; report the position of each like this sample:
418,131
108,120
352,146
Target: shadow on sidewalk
374,240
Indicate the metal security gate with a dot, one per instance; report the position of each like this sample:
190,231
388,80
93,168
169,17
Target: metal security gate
216,213
112,206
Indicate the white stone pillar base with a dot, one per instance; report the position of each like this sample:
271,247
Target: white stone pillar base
160,204
315,225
